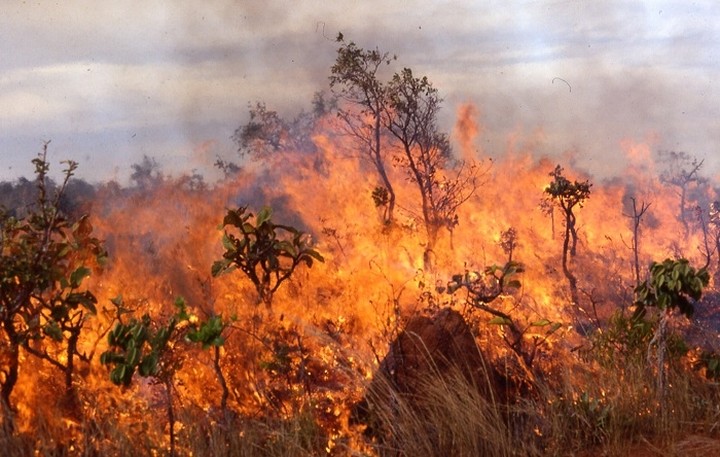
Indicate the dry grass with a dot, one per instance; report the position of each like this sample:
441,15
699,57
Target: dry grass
586,409
447,416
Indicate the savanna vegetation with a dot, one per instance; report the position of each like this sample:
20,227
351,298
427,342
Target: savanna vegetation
355,286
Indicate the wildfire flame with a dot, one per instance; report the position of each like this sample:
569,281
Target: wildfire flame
163,240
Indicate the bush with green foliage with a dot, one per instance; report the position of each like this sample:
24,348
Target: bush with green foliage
484,288
266,252
146,347
671,285
44,261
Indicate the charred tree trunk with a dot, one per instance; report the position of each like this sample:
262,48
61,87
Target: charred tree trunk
717,249
683,211
636,240
431,228
11,377
659,342
571,220
71,398
170,414
568,250
221,380
380,167
11,373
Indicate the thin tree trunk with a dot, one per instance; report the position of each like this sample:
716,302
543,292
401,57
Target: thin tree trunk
221,379
659,340
71,397
572,280
11,378
683,219
11,375
171,415
380,166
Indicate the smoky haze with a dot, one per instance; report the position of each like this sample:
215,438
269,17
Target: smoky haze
110,84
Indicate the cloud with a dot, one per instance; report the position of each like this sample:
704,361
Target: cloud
177,74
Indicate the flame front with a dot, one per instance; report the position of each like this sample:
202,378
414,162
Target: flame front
330,324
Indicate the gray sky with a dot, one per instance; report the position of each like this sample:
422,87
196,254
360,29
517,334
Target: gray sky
110,81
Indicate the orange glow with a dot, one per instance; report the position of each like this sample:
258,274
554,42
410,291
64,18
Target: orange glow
339,315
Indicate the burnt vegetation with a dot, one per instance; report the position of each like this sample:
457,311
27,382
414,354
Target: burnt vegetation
352,287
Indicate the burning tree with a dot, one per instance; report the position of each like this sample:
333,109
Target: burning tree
486,287
354,78
567,195
411,117
44,261
636,217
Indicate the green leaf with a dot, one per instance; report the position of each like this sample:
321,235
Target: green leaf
263,216
182,308
228,243
64,250
115,376
316,255
121,375
133,356
713,364
287,247
149,365
660,281
86,299
498,320
220,266
112,336
675,273
77,276
218,341
117,301
52,329
541,323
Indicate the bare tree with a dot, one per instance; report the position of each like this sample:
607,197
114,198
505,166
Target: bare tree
636,216
711,233
683,173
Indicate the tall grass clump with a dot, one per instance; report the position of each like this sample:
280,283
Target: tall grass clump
448,414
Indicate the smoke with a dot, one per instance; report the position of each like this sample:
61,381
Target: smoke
184,74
